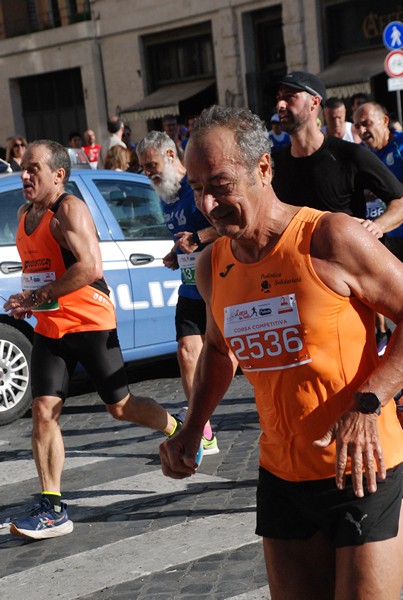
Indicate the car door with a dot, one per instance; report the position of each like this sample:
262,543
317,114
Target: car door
11,198
148,297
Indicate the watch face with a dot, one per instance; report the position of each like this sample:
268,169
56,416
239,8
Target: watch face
369,403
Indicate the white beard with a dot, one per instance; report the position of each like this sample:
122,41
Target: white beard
167,184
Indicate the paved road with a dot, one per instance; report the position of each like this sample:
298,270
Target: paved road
138,535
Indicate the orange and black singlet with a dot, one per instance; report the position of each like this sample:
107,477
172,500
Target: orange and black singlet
304,348
44,260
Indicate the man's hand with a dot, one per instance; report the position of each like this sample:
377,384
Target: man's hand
178,453
186,242
371,226
171,261
356,437
19,305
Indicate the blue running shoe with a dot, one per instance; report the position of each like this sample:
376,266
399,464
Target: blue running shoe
199,455
44,522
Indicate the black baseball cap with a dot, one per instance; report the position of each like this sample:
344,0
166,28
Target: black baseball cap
306,82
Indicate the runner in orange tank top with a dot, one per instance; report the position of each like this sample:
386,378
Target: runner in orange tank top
291,294
63,285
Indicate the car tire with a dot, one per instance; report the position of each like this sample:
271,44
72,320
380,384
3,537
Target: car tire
15,374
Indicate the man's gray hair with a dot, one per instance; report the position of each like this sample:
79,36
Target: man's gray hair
250,132
158,140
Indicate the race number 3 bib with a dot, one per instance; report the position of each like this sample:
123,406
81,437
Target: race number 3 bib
266,335
187,264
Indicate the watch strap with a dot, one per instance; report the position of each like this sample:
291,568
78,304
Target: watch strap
196,238
368,403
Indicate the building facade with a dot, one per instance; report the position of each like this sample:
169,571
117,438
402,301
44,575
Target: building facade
68,64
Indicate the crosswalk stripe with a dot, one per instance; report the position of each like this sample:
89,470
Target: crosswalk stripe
16,471
135,489
93,500
134,557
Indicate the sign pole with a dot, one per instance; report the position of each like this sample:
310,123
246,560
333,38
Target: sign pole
399,106
393,41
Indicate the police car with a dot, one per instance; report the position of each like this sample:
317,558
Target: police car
133,240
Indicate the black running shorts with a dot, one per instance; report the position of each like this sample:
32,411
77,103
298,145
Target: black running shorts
53,362
190,317
289,510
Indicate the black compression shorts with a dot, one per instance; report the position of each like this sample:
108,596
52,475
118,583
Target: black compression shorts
289,510
190,317
53,362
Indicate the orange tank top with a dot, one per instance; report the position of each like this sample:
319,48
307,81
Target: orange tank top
44,260
304,348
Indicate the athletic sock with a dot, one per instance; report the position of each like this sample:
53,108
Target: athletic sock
55,498
208,432
178,425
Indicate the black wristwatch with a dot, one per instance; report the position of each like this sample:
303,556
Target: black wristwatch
196,239
368,403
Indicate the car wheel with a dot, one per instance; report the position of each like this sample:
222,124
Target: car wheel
15,374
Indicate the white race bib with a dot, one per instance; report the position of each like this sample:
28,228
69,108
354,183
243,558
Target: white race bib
267,334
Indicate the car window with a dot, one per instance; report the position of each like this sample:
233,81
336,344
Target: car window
72,188
136,207
10,202
78,158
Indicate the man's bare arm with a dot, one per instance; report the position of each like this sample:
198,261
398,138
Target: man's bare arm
215,370
186,240
351,261
392,217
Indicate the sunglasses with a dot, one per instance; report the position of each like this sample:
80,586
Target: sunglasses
16,145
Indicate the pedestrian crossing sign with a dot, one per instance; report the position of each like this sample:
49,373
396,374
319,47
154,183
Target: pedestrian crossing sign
393,35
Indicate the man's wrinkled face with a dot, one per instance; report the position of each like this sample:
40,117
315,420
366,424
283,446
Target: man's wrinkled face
37,178
224,190
372,127
161,171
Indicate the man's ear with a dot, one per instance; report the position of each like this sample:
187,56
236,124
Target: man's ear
170,155
59,175
316,101
264,168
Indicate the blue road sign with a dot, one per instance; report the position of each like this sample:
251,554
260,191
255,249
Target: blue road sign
393,35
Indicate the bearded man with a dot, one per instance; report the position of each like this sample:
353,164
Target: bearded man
191,232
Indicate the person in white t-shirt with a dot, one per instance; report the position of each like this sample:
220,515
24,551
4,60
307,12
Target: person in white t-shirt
336,125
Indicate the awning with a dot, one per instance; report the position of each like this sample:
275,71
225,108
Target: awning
165,100
352,72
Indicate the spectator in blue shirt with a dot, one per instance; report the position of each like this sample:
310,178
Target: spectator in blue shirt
278,137
191,232
372,124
